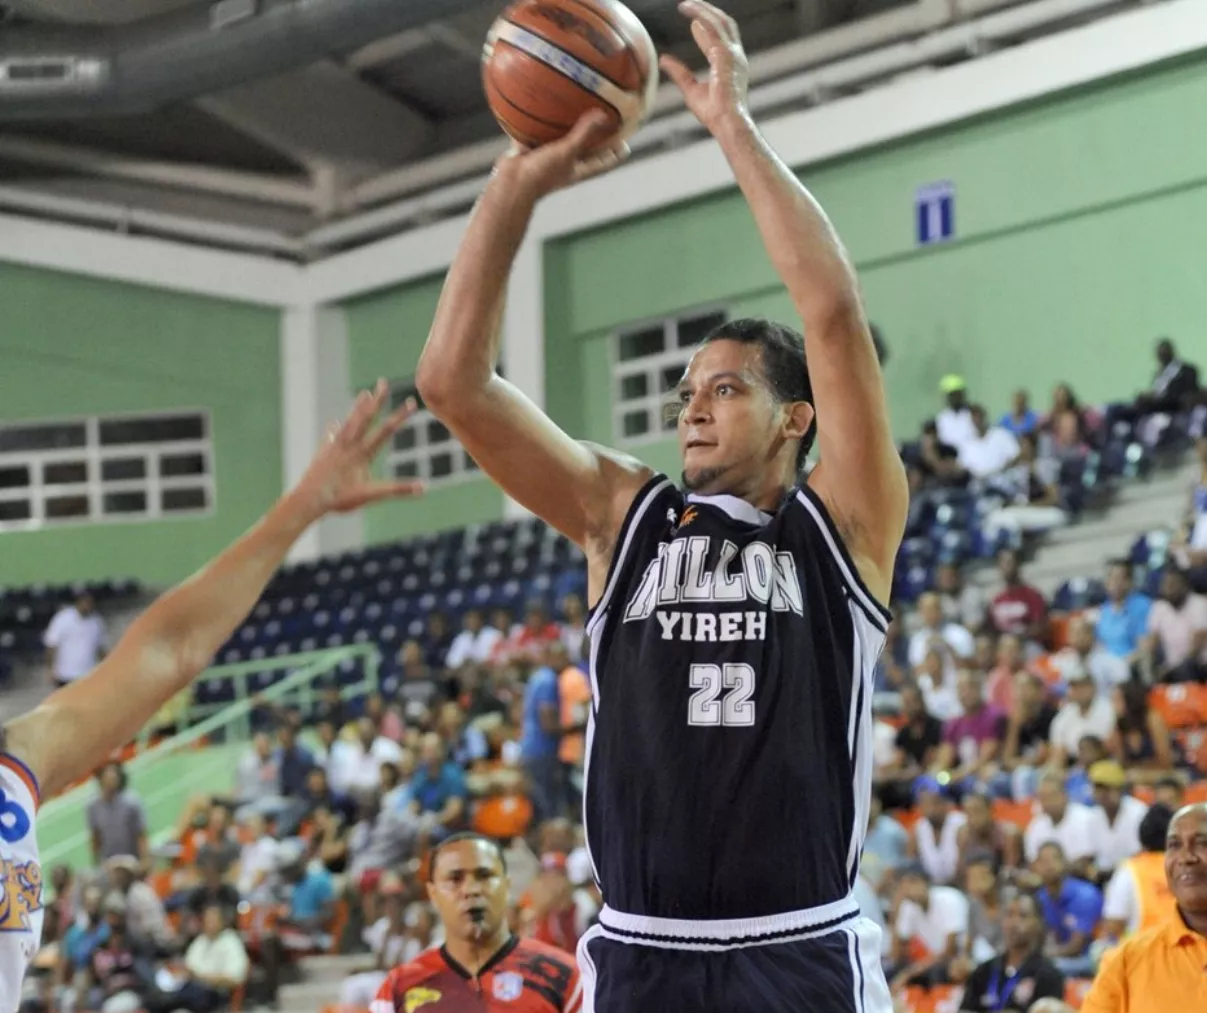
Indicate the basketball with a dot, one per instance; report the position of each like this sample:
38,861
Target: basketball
547,62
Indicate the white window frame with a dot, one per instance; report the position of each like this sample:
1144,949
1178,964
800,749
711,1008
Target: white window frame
422,452
95,488
656,399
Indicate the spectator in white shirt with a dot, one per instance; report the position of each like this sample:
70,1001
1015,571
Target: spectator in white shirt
1085,654
1177,627
75,641
991,450
472,646
1138,896
1085,712
216,962
954,423
951,639
1119,813
257,860
573,626
1074,827
932,919
935,842
354,767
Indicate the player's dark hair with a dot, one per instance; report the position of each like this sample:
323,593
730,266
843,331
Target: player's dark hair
466,835
1154,828
784,364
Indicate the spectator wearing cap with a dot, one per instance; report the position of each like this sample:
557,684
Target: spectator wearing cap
1141,740
1176,644
954,423
991,449
1066,823
1123,617
1018,608
1071,908
1085,654
1137,897
929,925
935,840
1084,712
972,742
1019,975
1161,971
1021,418
473,644
1119,813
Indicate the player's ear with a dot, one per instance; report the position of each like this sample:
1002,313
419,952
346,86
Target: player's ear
798,417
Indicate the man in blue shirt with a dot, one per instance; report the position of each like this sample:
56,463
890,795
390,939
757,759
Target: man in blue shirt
539,738
439,788
1123,618
1072,908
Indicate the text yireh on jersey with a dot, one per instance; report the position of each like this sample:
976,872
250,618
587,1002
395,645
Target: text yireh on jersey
679,575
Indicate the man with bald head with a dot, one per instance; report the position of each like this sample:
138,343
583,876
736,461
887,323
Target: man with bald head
1162,970
1086,655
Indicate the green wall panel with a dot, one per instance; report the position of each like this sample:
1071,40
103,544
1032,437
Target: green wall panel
386,334
72,346
1079,224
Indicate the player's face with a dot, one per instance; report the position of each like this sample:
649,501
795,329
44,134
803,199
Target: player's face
469,890
1186,859
731,429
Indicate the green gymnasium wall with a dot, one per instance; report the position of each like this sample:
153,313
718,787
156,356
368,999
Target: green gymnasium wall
73,346
386,333
1080,224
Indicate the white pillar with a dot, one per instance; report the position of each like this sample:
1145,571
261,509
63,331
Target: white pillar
315,391
524,335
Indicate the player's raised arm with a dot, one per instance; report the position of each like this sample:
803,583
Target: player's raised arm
861,478
581,490
171,643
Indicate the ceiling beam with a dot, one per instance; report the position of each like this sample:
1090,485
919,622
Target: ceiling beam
326,119
179,175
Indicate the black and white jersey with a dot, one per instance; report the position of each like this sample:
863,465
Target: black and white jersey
729,750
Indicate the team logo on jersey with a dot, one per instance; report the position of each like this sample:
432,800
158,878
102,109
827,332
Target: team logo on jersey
508,986
22,894
416,997
689,515
14,820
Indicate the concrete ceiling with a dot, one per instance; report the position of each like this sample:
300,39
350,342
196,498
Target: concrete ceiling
285,151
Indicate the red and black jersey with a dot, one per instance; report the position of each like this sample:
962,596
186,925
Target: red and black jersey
525,976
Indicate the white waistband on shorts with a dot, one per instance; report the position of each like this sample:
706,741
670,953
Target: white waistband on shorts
728,932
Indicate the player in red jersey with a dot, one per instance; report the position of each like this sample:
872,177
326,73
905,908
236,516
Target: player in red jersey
482,967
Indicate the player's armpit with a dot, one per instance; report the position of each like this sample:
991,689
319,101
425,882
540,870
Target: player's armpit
860,478
581,489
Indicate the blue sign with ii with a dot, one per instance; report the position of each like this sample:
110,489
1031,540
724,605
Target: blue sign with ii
935,213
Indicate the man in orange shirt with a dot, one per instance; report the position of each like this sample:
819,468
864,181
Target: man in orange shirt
1162,970
1138,897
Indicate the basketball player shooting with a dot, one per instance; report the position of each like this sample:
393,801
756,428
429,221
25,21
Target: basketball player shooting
735,621
169,645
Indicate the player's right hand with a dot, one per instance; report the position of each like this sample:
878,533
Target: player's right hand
339,478
537,172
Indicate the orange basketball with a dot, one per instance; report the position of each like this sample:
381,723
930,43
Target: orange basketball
546,62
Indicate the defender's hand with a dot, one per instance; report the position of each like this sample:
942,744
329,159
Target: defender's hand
722,95
537,172
339,478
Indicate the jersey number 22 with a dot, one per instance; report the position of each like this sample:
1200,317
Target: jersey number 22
707,707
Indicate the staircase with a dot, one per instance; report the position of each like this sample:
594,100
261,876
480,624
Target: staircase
1082,549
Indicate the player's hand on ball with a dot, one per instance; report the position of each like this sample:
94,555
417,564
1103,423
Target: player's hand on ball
581,154
723,93
339,478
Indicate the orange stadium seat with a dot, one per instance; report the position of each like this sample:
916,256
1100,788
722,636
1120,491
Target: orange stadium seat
1196,792
1180,706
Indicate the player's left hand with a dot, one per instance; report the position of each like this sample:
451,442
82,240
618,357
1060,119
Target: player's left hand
340,478
723,93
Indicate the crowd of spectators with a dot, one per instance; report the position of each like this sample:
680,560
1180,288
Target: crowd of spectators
1026,770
